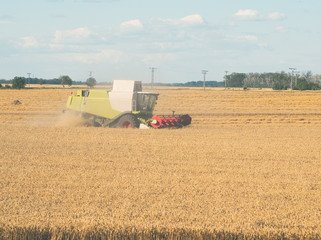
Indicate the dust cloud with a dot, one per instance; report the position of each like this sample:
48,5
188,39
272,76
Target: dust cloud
60,119
68,119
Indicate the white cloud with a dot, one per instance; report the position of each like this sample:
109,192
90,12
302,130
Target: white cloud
4,19
250,38
254,15
280,29
134,24
74,35
247,14
107,55
275,16
194,19
263,45
156,59
28,42
95,1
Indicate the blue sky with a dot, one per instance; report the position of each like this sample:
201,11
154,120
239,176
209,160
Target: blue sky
122,39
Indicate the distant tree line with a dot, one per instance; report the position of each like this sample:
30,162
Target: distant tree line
199,84
52,81
21,82
276,81
17,83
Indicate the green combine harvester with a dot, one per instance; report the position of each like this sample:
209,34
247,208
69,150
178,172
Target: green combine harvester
126,106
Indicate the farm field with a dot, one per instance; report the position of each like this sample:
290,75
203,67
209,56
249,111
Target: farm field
248,167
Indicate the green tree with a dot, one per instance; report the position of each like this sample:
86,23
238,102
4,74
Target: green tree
91,82
281,81
302,84
65,80
307,75
42,81
314,86
235,80
18,82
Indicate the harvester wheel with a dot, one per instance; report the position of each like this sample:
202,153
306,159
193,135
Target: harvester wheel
128,121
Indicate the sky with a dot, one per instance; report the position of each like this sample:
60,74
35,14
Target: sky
124,39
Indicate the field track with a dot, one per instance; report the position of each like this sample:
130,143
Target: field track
249,167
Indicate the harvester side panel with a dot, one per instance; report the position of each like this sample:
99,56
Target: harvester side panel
98,103
74,103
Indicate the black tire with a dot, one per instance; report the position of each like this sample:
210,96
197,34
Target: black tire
128,121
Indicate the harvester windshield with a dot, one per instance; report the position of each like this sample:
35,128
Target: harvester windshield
146,102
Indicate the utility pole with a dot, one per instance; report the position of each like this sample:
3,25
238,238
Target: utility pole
226,72
204,77
293,69
29,78
152,82
296,77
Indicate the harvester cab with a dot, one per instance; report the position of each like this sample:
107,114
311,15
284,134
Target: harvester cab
126,106
127,96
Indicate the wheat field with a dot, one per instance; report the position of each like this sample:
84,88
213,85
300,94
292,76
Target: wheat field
248,167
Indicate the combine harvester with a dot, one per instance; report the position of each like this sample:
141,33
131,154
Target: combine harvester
126,106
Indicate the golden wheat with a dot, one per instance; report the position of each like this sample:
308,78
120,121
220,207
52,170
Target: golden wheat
248,167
